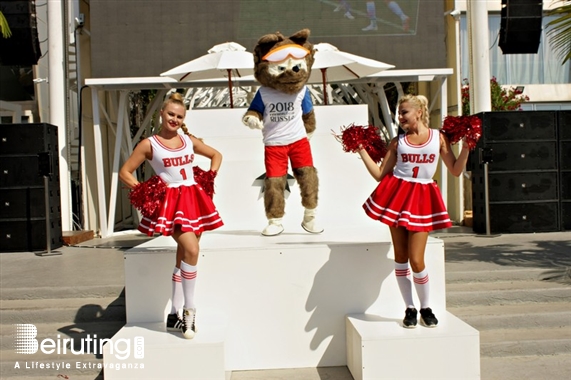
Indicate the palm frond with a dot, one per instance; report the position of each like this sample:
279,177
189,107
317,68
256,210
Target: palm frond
4,27
560,33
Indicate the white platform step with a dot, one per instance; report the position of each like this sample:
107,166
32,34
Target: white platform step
148,351
285,298
380,348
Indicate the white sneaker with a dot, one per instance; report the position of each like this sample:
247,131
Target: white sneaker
372,26
188,326
339,7
309,224
274,227
349,16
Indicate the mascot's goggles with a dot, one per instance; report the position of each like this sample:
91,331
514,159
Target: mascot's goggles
281,53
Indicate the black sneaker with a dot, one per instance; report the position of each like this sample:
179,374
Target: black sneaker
174,322
188,326
427,318
409,321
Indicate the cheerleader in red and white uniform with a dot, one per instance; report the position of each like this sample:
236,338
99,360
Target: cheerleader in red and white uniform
408,200
187,210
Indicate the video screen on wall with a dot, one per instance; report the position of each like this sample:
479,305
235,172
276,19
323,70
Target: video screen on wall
147,37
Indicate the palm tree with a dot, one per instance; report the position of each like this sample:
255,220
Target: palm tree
560,35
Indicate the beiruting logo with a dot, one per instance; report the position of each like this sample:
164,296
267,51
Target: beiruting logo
25,342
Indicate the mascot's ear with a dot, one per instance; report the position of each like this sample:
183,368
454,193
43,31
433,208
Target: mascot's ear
300,37
271,38
266,43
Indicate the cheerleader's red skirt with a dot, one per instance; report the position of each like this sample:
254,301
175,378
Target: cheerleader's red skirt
186,206
412,205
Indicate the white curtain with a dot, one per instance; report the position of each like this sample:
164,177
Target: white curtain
518,69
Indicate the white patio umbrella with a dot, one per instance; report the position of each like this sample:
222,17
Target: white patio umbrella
334,65
226,60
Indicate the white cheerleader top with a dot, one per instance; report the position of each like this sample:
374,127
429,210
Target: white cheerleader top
174,166
418,163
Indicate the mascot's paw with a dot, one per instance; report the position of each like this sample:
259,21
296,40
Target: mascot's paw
274,227
253,122
309,223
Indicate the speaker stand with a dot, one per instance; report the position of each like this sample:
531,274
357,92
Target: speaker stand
48,251
487,202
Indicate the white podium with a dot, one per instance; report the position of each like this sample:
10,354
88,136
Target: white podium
283,301
380,348
157,354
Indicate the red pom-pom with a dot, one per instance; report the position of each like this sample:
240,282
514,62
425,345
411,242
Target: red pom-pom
148,196
468,128
356,137
205,179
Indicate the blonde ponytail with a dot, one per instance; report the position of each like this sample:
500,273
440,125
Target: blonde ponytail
186,132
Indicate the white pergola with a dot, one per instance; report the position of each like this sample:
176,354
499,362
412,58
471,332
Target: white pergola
115,91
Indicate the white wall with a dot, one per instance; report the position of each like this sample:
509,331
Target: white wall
344,182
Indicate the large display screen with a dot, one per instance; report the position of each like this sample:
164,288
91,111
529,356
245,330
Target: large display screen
147,37
329,18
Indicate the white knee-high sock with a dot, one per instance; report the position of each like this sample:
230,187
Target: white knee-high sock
395,8
402,273
422,287
188,274
371,11
177,294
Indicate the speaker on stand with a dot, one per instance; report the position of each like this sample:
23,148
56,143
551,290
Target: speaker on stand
523,175
563,122
30,203
520,26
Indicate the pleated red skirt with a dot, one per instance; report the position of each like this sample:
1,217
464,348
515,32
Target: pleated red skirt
186,206
412,205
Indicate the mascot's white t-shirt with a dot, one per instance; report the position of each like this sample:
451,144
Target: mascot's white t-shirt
282,113
417,163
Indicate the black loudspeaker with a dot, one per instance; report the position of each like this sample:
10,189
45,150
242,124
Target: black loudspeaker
22,48
523,180
520,26
520,217
28,152
564,123
29,235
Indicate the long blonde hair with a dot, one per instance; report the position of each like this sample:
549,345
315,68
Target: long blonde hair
419,102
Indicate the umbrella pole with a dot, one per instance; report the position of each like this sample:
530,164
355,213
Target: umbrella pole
230,86
323,77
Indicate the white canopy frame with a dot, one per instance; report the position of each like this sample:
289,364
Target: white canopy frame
114,93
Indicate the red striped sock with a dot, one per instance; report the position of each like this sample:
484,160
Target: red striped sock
177,294
188,274
421,284
402,273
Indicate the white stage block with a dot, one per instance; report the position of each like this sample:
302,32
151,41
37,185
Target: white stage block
378,347
285,297
157,354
